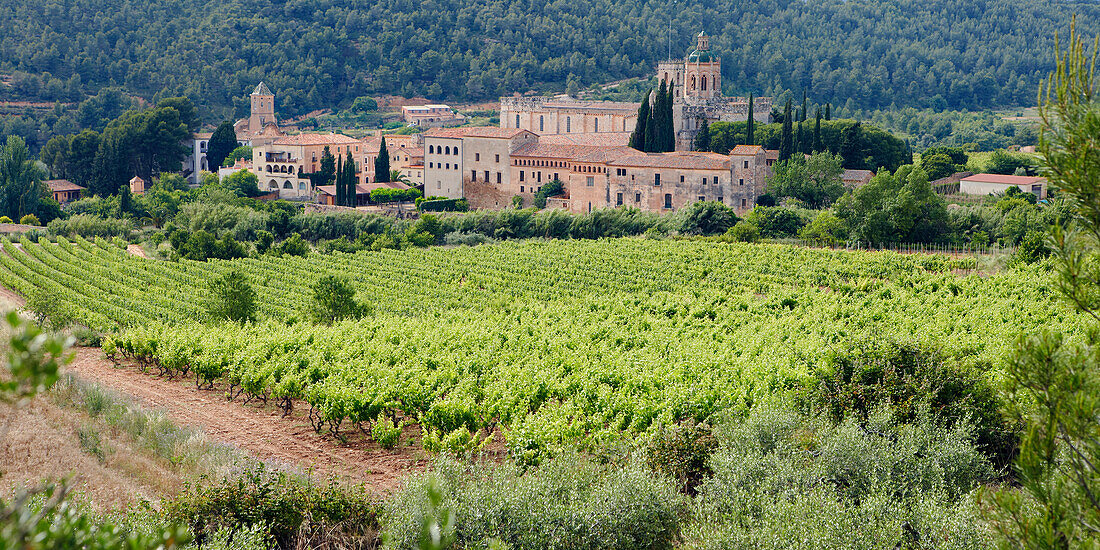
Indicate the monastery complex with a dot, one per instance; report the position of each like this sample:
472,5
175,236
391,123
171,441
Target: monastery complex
582,144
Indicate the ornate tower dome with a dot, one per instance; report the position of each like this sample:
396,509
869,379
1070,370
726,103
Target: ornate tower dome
703,71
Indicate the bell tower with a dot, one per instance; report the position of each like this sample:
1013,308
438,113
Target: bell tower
263,108
702,71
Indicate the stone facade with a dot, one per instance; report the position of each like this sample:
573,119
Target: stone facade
455,157
697,96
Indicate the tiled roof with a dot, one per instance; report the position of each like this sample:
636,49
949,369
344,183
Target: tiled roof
316,139
606,139
62,185
262,89
1009,180
556,151
857,174
746,150
606,154
203,135
771,154
684,160
475,131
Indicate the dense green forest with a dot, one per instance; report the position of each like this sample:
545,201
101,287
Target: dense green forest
320,53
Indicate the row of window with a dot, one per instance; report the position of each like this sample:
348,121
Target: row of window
442,165
477,158
444,150
473,176
538,176
546,163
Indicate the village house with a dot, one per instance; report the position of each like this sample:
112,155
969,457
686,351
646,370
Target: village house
284,164
985,184
457,157
63,191
431,116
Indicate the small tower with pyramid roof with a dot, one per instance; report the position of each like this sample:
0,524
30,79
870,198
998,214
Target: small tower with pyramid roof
263,109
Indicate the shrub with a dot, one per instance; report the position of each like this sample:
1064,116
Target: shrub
551,189
744,232
30,219
707,218
906,378
775,221
5,219
263,241
681,452
231,298
294,246
49,310
386,433
826,229
469,239
783,480
1033,247
334,300
293,511
567,502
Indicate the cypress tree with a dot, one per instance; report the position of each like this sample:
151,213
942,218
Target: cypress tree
786,147
328,167
350,180
340,199
805,108
751,126
828,111
702,139
669,123
654,129
817,132
800,144
637,137
382,163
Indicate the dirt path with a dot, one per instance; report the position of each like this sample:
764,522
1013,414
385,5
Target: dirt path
261,432
136,250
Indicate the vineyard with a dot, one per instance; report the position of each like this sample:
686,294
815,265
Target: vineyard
550,343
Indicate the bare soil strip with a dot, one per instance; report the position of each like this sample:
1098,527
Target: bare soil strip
261,431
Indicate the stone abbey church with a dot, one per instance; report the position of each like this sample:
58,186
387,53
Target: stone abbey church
697,89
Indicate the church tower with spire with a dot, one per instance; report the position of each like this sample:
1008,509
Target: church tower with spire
263,109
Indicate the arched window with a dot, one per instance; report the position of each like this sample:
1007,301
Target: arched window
597,121
447,150
704,86
456,151
287,185
692,82
517,121
568,125
273,184
431,149
301,186
540,122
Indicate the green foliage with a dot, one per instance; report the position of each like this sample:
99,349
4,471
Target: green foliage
334,300
386,194
937,165
202,246
231,298
49,310
825,229
591,506
775,221
1054,379
382,163
1003,162
707,218
243,183
552,189
894,208
681,452
782,479
744,231
5,219
858,380
29,219
33,361
386,433
445,205
222,142
364,104
289,509
21,187
868,147
815,180
242,152
293,246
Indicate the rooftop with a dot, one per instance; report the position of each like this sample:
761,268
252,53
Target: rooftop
602,139
686,160
747,150
475,131
62,185
316,139
560,151
262,89
1008,180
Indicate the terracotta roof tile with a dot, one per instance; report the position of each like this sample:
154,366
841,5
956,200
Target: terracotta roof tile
683,160
474,131
746,150
62,185
605,139
316,139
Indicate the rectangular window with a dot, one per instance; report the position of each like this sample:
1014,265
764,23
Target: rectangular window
521,189
590,181
498,177
556,176
486,176
637,197
473,175
668,200
704,180
744,203
618,199
539,177
746,164
656,180
439,185
741,181
715,180
498,158
681,179
702,198
521,175
720,199
477,156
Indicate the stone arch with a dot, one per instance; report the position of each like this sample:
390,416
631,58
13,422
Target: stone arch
272,184
287,185
447,150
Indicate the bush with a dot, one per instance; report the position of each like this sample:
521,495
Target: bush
90,226
469,239
442,205
707,218
1033,247
294,246
566,502
231,298
744,232
775,221
5,219
386,433
826,229
681,452
552,189
294,512
906,379
30,219
49,310
783,480
334,300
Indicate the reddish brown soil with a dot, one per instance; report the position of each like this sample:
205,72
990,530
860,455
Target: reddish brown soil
261,431
136,250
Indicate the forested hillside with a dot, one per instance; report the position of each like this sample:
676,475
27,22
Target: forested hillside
320,53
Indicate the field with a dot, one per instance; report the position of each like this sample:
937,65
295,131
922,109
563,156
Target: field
545,343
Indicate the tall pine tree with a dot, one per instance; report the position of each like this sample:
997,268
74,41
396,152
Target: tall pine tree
702,139
828,111
654,127
328,167
382,163
637,137
800,138
805,107
750,139
786,147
